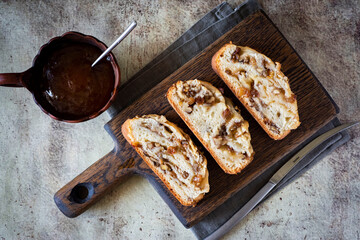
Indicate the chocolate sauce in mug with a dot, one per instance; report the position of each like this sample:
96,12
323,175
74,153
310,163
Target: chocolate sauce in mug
68,83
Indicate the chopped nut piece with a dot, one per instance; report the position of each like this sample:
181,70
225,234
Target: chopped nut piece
252,85
236,125
165,167
254,105
291,99
189,92
264,73
272,125
252,61
254,93
209,100
244,92
199,100
242,73
239,134
196,167
245,59
226,114
185,175
279,91
191,101
263,104
150,145
271,74
171,150
218,141
230,149
222,131
197,180
268,73
236,54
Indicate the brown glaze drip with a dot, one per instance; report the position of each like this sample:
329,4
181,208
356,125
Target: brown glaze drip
69,84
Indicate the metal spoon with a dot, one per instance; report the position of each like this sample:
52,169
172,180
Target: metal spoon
112,46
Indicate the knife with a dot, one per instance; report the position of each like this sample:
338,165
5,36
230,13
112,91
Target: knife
274,180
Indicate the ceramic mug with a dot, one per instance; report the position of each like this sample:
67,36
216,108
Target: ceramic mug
30,78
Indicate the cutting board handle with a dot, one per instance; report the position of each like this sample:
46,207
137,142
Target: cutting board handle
88,187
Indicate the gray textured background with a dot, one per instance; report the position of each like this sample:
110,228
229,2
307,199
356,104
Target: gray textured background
38,155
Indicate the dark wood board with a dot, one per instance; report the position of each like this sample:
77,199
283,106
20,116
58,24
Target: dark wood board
258,32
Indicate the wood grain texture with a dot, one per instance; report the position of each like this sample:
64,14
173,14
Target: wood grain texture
86,189
315,110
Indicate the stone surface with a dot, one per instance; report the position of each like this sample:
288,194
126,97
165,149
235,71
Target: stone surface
38,155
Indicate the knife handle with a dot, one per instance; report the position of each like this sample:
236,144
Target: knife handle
89,186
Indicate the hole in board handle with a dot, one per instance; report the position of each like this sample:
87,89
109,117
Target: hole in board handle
81,192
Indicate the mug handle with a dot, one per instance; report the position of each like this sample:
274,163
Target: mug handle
11,79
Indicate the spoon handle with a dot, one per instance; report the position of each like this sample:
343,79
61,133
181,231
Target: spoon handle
112,46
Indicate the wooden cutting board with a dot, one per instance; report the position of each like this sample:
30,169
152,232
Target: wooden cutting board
256,31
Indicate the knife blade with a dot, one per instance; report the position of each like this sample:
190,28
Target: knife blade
274,180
